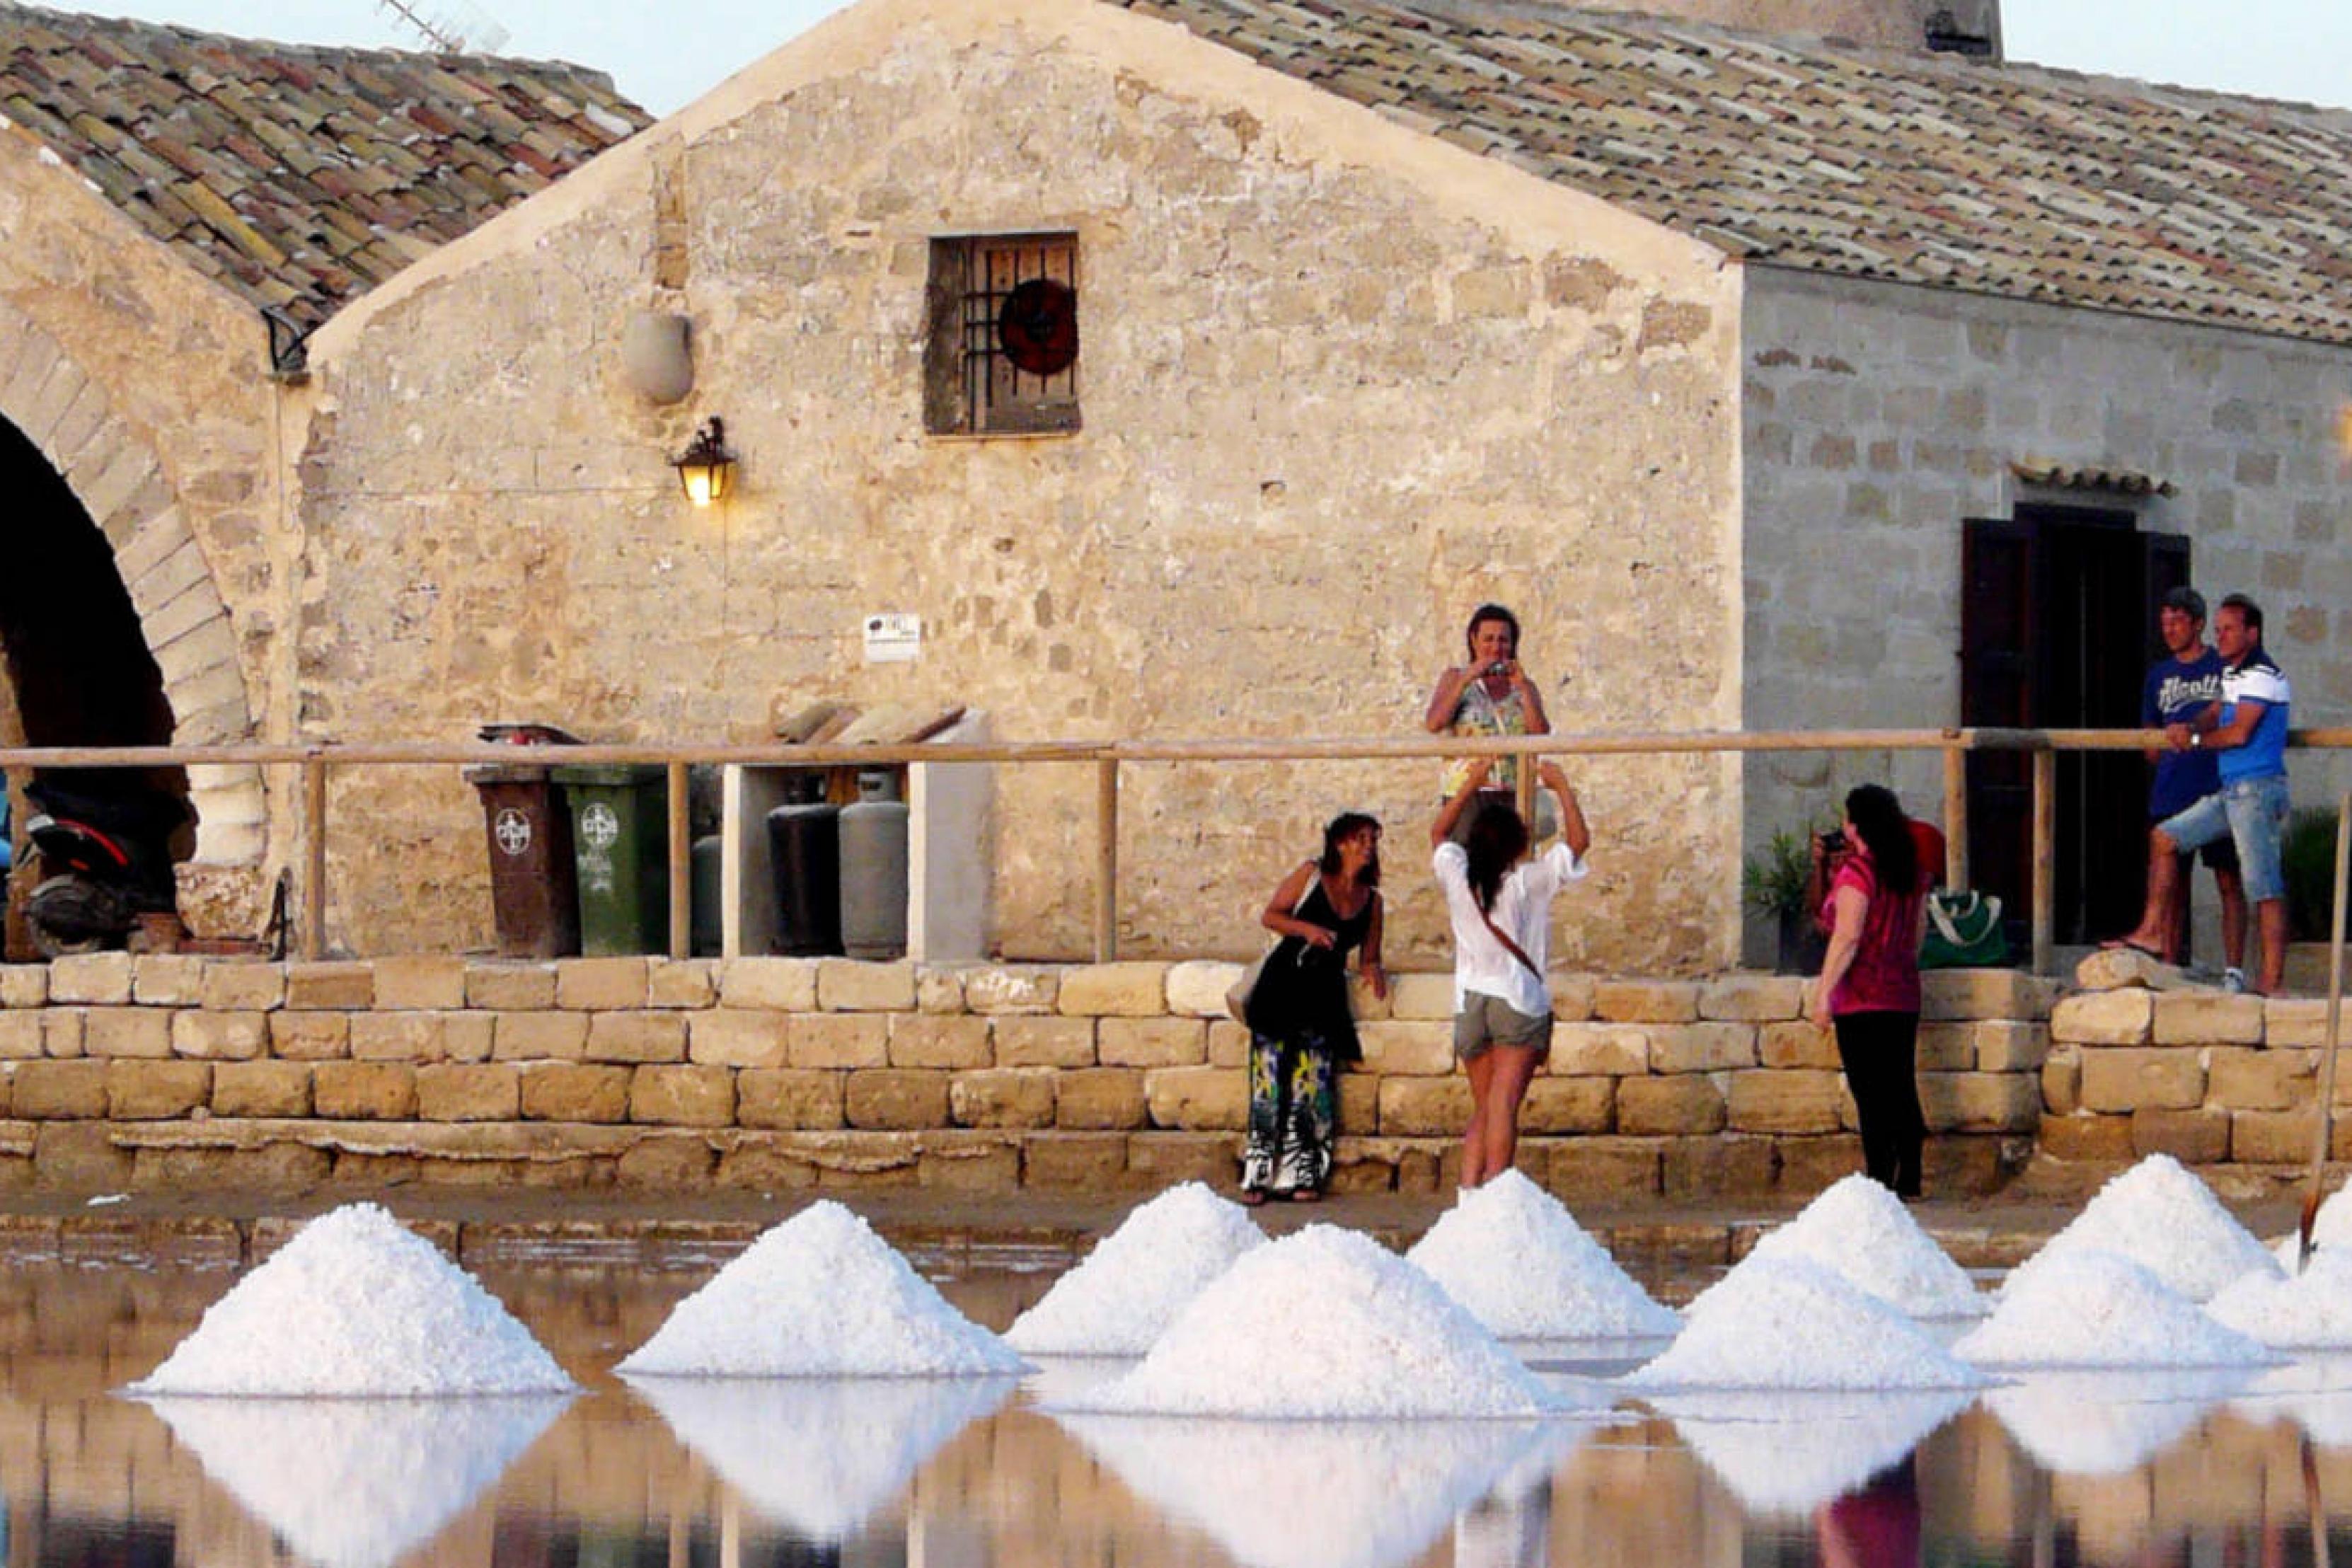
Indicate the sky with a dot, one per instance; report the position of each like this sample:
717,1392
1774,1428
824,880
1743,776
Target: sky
665,55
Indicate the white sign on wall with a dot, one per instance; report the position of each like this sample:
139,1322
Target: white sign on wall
892,637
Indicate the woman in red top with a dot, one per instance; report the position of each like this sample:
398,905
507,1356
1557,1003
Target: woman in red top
1869,984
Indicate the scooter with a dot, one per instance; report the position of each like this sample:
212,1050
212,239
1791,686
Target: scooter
103,842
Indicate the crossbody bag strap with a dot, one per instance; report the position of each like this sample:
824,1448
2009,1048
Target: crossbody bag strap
1511,946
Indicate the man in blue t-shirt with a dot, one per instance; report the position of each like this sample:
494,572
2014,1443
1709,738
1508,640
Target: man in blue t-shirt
2246,727
2180,686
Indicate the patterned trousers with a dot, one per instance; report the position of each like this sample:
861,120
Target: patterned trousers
1293,1112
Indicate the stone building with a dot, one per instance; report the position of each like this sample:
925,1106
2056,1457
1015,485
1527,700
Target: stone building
1718,355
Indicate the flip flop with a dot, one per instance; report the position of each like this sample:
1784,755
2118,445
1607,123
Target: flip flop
1251,1197
2123,943
1304,1195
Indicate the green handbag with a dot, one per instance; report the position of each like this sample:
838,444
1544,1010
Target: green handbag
1963,931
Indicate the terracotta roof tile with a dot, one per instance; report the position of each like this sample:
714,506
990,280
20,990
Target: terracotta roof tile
246,156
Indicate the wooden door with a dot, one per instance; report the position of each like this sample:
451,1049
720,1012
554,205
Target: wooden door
2000,603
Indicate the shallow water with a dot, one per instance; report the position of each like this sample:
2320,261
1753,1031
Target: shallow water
2052,1470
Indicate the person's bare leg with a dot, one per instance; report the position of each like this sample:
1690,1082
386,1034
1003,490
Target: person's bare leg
2232,889
1481,1071
2269,915
1509,1088
2154,932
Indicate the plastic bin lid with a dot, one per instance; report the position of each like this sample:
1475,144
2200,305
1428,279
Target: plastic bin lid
517,732
507,774
610,775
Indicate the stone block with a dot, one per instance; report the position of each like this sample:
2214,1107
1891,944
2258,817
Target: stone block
899,1098
1002,1097
764,1166
1229,1044
24,984
91,979
1753,998
948,1040
1686,1103
995,989
2120,1079
1792,1100
20,1036
126,1032
242,1089
1196,989
511,987
1359,1101
1365,1005
1408,1048
853,985
2011,1046
2087,1138
737,1037
1587,1169
465,1036
532,1036
167,980
1797,1045
1131,990
2240,1077
1102,1099
80,1157
1562,1106
58,1090
666,1164
434,982
1809,1164
1425,1106
617,984
1160,1160
1026,1041
837,1040
1984,993
2104,1018
1980,1101
2061,1083
2207,1018
682,1096
220,1037
2118,968
1716,1168
684,982
1645,1000
1972,1166
1422,997
1121,1041
2259,1137
968,1168
1572,996
938,989
155,1091
399,1037
572,1091
780,984
343,986
363,1091
61,1032
1075,1162
1702,1047
2295,1023
1581,1049
2198,1137
468,1091
1197,1098
635,1037
1946,1047
241,985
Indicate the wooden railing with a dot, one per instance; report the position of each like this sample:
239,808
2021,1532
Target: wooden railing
1108,757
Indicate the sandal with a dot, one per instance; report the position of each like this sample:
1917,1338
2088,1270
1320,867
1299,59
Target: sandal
1304,1196
1251,1197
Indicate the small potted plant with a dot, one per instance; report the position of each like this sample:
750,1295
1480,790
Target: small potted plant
1772,882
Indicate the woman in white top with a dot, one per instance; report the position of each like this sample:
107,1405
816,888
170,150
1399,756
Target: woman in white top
1499,902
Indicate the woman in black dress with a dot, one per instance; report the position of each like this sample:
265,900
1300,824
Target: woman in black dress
1302,1029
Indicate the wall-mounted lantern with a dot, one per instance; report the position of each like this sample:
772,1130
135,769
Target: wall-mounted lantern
706,468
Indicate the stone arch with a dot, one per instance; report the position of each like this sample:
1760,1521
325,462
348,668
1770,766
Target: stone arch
114,473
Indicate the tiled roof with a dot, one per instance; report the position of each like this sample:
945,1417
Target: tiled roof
2008,180
298,176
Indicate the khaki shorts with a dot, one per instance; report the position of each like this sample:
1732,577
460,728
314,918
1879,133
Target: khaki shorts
1486,1021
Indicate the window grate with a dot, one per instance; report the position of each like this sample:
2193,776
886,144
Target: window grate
1006,308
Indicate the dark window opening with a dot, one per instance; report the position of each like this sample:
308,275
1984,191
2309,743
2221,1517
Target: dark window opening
1001,354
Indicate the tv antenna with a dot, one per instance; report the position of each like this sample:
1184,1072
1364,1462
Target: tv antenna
450,26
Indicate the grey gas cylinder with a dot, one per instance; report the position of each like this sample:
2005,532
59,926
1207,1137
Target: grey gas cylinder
874,869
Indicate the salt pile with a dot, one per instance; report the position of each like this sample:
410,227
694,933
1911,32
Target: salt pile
2331,1226
2160,1216
820,1456
820,1296
1135,1280
1323,1324
2311,1310
2107,1424
1788,1323
2086,1307
356,1304
1859,1229
1305,1494
1513,1255
1786,1455
357,1483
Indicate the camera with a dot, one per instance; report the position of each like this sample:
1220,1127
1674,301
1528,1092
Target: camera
1500,666
1834,841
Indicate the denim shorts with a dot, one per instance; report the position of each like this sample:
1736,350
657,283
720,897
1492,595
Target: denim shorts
2253,813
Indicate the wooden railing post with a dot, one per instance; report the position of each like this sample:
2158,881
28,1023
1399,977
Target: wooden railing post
1956,816
681,867
1106,859
2045,856
314,857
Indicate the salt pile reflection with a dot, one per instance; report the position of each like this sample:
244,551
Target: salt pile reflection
2314,1395
820,1456
2108,1422
1789,1452
357,1483
1318,1494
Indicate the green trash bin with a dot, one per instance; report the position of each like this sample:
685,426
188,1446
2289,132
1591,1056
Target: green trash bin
620,841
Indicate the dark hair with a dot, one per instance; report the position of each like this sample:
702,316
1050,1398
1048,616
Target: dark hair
1497,840
1489,613
2186,600
1887,833
1345,825
2251,612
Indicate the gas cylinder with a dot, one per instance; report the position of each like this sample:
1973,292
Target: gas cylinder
874,869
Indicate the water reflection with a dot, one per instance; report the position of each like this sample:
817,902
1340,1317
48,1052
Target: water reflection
2108,1422
2316,1395
1790,1453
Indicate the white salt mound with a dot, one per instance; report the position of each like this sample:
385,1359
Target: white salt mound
1135,1280
2312,1311
2331,1226
2084,1307
820,1296
1788,1323
1513,1255
2160,1216
357,1304
1323,1324
1861,1230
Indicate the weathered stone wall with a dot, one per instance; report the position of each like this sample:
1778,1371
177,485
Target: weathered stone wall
190,1073
1340,380
1878,417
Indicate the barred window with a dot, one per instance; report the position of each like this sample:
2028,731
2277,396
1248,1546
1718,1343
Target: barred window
1002,352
